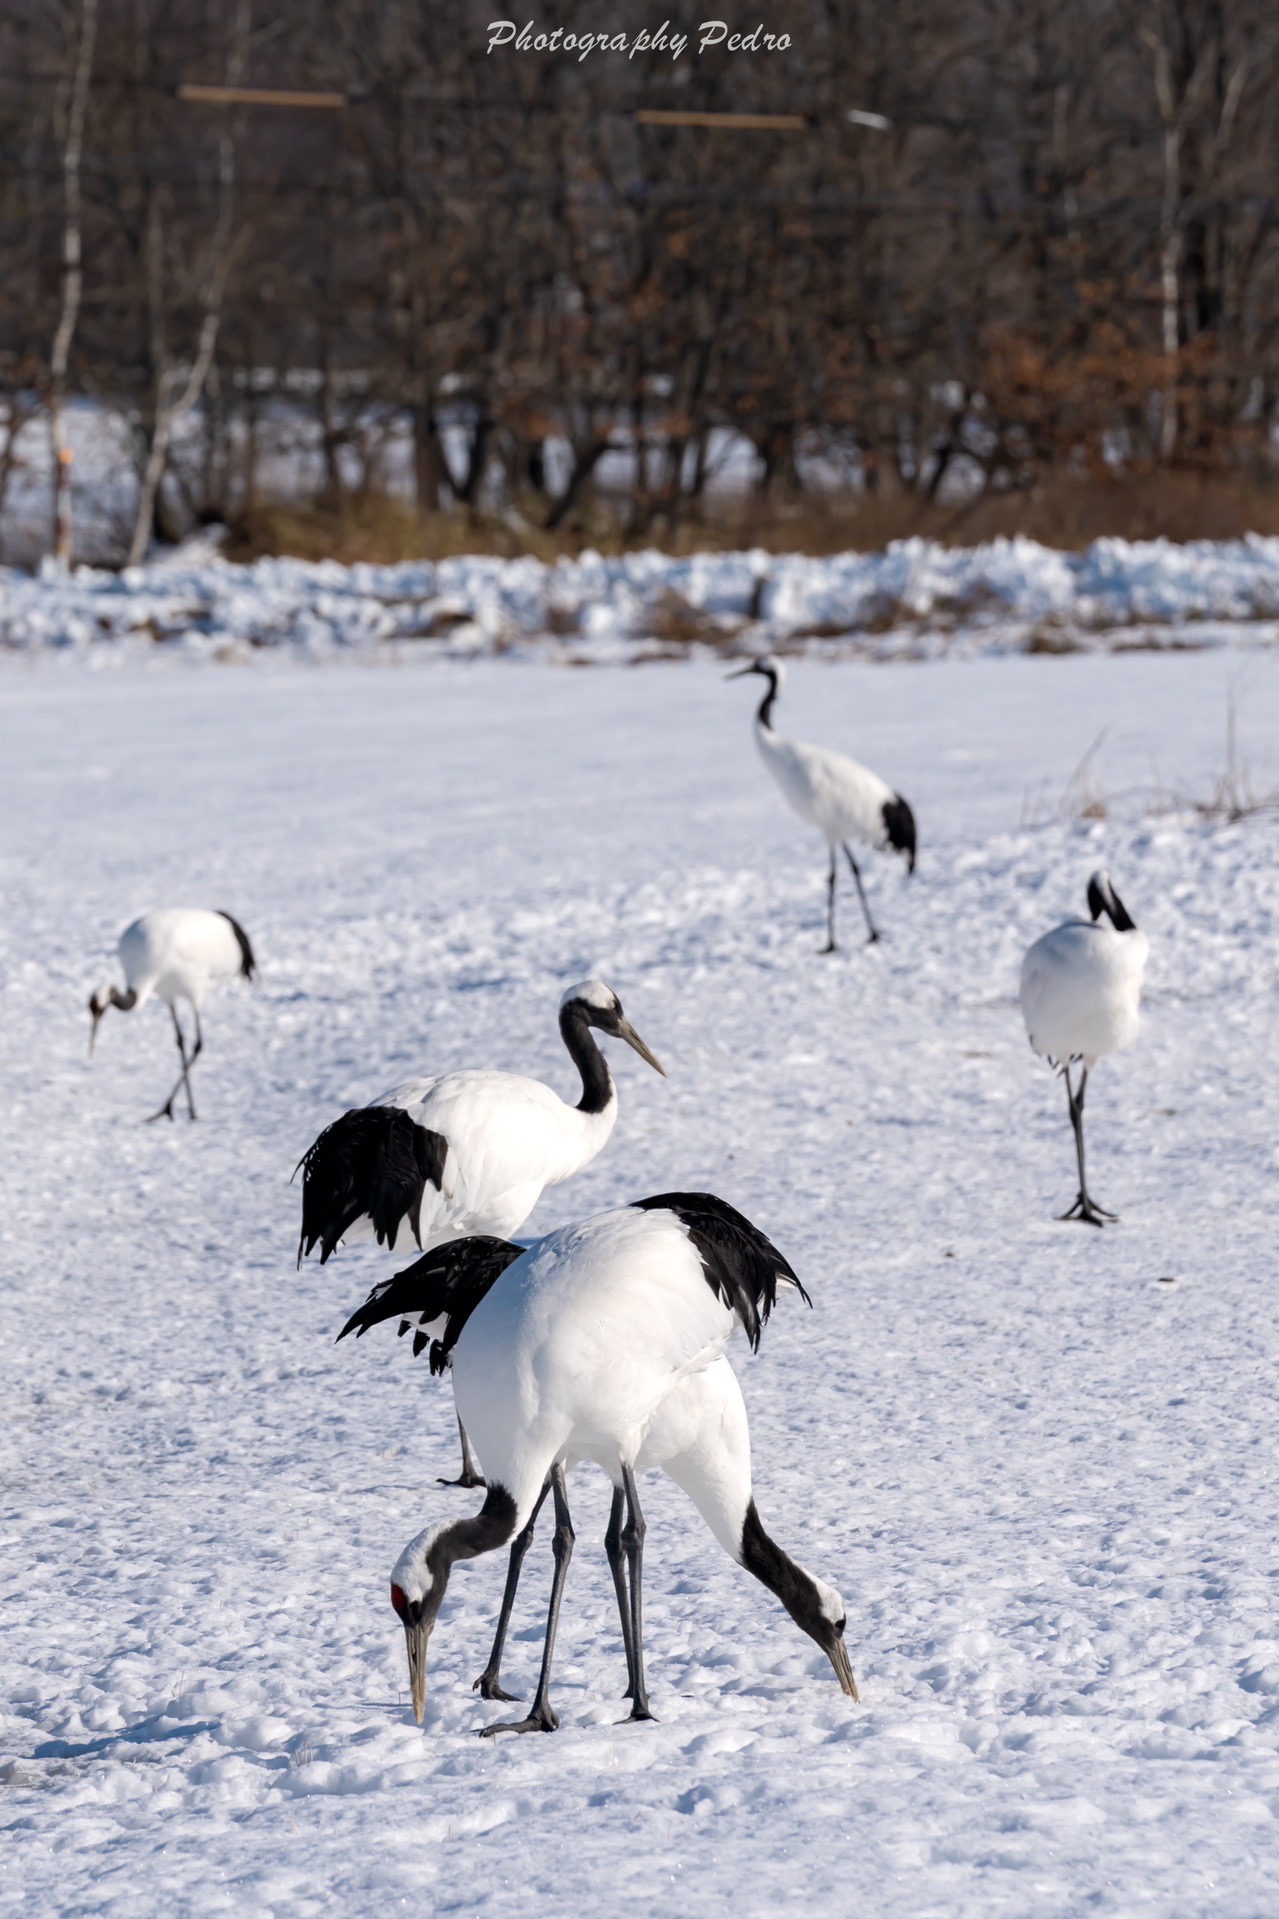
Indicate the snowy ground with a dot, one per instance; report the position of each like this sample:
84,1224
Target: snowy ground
916,600
1038,1461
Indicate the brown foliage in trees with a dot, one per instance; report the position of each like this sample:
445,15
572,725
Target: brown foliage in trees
1059,259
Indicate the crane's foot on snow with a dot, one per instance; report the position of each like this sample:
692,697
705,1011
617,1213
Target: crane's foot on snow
165,1112
464,1479
1088,1212
488,1687
637,1712
537,1721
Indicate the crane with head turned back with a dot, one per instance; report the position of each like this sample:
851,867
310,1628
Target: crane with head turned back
179,953
1081,999
604,1341
466,1152
842,798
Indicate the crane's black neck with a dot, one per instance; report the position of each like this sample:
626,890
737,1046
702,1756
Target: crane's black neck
765,714
1106,900
597,1081
483,1532
776,1569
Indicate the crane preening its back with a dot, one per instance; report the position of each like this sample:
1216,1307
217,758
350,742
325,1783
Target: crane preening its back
843,799
179,953
604,1341
1080,997
464,1152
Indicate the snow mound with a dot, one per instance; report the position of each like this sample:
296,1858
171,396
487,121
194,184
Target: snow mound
915,599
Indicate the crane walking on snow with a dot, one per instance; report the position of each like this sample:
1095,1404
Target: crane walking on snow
602,1341
171,955
845,800
1080,998
464,1152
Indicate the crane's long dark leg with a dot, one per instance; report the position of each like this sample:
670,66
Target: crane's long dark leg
830,946
542,1718
633,1542
470,1474
871,927
1084,1208
488,1684
166,1111
199,1048
613,1547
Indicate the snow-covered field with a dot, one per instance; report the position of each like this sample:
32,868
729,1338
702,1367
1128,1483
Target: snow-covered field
916,600
1038,1461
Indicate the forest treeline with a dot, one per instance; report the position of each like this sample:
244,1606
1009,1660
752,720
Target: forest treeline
1046,242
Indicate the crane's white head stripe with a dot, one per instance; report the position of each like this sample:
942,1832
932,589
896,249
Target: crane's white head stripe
592,993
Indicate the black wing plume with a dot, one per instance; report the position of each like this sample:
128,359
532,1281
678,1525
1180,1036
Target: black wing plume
447,1283
742,1266
374,1160
1102,898
247,962
899,829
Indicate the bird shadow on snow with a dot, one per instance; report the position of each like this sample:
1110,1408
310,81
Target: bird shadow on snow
148,1731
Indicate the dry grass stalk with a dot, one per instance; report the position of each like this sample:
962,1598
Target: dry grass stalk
1083,797
1234,794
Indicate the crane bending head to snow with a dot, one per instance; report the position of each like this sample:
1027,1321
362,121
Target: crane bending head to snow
842,798
464,1152
1080,998
171,955
604,1341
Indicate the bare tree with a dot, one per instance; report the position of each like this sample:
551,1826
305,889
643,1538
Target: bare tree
72,283
177,392
485,285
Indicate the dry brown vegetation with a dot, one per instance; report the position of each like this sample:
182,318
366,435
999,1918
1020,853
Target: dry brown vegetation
1067,513
1235,793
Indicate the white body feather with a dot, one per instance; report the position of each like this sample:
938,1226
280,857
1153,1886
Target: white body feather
179,953
1081,990
840,797
604,1342
508,1139
575,1351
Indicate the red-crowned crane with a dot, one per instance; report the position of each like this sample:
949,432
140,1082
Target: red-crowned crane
178,953
603,1341
1080,998
464,1152
842,798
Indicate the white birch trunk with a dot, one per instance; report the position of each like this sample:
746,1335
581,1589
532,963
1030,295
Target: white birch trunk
72,284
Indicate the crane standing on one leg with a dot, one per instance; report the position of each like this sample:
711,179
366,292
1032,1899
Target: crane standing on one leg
1081,999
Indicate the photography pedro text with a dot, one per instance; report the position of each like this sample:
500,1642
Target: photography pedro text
711,33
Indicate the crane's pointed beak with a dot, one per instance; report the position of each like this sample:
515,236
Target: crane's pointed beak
837,1653
96,1013
627,1032
417,1638
742,672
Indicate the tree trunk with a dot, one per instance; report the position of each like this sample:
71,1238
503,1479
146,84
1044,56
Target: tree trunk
168,413
430,469
72,286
